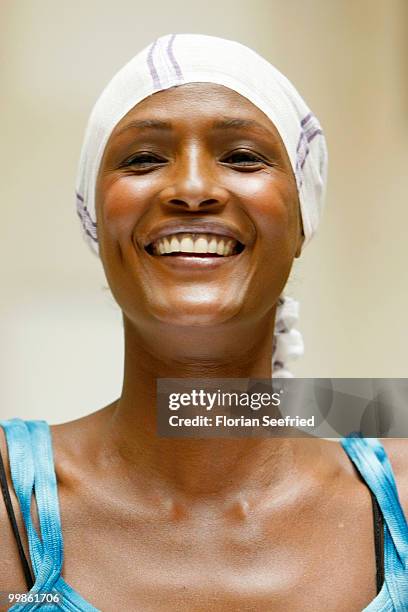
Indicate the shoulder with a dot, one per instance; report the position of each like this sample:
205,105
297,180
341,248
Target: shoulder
71,444
397,452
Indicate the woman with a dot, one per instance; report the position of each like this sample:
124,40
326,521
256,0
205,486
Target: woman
226,152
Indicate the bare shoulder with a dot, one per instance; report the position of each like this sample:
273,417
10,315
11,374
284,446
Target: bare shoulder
12,575
397,452
68,440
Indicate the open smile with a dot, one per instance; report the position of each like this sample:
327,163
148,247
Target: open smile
198,248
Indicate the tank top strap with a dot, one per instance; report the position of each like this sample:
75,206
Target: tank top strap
22,474
371,460
32,470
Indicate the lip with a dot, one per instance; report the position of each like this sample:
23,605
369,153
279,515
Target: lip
190,262
199,227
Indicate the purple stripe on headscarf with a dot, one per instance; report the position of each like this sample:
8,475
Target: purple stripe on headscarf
313,134
302,140
304,159
83,211
153,72
89,226
85,228
309,139
306,119
173,60
90,235
302,149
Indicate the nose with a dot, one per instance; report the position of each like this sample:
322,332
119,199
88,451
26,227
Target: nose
194,186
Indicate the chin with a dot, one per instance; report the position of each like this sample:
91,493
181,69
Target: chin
196,305
195,315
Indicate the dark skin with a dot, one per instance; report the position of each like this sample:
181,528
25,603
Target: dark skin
155,524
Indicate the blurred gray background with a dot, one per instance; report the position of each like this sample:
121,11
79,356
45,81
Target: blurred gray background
61,333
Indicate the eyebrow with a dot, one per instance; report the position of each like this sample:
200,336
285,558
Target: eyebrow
238,123
142,124
232,123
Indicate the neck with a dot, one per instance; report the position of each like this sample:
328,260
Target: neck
197,467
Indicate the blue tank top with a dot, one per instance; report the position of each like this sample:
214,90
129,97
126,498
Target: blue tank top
32,469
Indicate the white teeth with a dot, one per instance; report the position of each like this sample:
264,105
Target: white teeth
174,244
187,245
220,248
201,245
167,247
212,246
194,243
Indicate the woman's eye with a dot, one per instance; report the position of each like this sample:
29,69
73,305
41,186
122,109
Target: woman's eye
142,160
243,159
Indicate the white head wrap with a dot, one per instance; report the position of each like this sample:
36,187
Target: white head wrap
176,59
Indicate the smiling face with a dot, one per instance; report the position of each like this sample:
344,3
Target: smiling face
197,209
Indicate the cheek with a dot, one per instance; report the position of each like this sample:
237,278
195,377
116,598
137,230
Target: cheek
124,202
271,201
